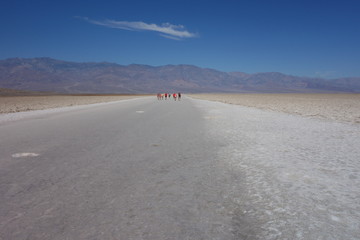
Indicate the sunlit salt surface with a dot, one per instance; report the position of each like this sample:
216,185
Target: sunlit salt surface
23,155
300,175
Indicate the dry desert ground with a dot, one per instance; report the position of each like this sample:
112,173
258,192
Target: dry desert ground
11,104
338,107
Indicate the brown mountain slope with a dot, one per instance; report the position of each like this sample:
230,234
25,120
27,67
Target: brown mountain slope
46,74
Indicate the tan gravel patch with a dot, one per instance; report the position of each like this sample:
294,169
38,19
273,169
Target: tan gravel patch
338,107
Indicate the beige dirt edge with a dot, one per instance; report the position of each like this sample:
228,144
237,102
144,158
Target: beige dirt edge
12,104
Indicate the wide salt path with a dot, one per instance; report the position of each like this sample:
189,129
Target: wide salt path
149,169
300,176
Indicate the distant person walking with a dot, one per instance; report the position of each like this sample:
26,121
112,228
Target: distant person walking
160,96
179,96
174,96
166,95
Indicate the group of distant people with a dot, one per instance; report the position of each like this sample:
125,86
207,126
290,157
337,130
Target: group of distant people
175,96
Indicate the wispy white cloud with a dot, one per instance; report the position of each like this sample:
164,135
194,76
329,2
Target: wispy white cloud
167,30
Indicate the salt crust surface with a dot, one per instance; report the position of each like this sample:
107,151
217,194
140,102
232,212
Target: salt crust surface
13,104
301,175
56,105
338,107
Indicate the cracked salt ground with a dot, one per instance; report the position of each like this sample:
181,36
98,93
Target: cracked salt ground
301,175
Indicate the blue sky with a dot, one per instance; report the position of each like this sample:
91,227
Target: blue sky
298,37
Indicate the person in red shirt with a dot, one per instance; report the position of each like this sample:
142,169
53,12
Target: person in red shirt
174,96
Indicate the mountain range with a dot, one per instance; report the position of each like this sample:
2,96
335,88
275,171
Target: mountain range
47,74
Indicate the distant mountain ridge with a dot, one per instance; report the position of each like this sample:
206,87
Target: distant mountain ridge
47,74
